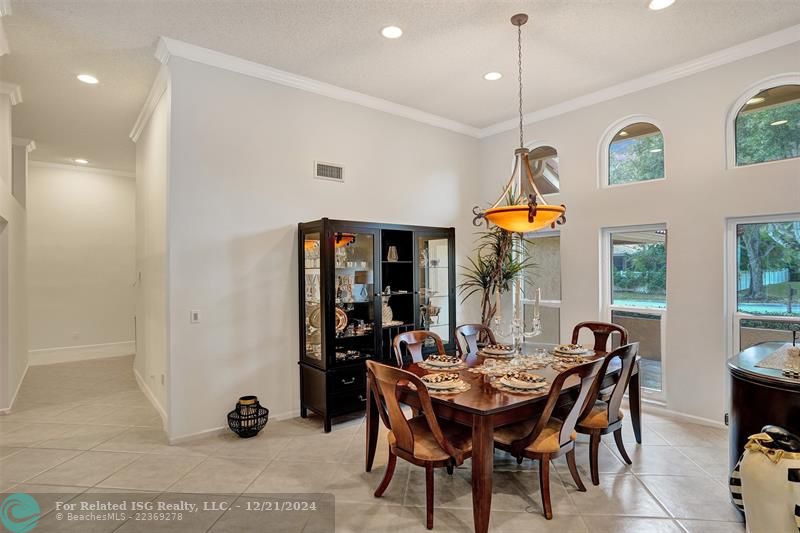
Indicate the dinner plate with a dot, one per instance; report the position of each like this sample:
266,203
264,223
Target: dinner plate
441,364
575,352
498,351
444,385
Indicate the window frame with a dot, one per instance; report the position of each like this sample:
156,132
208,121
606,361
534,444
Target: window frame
789,78
603,174
734,317
607,308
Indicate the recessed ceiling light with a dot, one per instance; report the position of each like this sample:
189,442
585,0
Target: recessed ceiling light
391,32
81,161
655,150
623,133
88,78
779,123
658,5
492,76
756,100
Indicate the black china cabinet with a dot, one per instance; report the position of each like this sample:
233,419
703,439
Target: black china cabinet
360,284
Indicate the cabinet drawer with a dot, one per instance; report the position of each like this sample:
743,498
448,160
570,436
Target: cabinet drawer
349,402
347,380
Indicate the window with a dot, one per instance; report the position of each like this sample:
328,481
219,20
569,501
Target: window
636,153
544,163
767,280
545,274
768,126
635,294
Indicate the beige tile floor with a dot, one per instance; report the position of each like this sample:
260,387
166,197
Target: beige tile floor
86,427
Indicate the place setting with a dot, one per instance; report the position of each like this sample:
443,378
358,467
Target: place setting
442,363
567,356
445,383
498,351
520,382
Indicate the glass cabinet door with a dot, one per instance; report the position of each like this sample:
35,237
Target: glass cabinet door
354,295
433,258
313,308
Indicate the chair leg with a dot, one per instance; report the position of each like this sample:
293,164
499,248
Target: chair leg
544,485
573,469
594,452
621,446
387,476
450,469
429,496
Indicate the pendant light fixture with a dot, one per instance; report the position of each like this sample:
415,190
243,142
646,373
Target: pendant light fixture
521,215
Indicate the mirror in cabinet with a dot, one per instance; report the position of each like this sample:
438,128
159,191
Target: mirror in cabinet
354,282
435,274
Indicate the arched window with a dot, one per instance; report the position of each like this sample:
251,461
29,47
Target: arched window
635,153
544,163
767,125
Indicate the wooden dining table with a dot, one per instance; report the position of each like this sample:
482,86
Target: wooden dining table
484,408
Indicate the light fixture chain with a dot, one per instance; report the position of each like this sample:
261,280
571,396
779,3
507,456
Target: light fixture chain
519,65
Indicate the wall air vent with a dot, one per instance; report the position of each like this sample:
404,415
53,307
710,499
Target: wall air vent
328,171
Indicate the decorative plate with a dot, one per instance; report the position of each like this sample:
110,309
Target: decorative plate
442,381
523,380
498,349
341,319
570,349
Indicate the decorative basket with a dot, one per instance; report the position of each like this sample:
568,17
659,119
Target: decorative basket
248,418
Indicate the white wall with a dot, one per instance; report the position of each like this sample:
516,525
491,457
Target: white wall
14,345
152,160
242,158
81,263
699,193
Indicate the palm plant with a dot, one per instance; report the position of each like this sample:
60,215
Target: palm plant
499,260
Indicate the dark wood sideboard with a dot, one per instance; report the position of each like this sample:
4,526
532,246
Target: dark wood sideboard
759,397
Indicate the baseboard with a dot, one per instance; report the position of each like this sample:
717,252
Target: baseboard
67,354
151,398
183,439
648,407
6,410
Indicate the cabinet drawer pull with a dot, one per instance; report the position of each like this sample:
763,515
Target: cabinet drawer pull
362,398
348,381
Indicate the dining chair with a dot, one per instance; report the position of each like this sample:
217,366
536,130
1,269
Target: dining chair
601,331
599,417
468,336
421,440
414,342
546,437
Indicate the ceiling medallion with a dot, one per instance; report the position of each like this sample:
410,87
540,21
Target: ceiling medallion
521,214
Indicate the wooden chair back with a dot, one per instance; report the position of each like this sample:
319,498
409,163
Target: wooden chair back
586,374
601,331
471,334
414,341
627,356
385,381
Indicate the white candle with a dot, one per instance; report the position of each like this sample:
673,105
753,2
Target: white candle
536,303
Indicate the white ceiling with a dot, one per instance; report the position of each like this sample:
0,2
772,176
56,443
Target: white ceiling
572,47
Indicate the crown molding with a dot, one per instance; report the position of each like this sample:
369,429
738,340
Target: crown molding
723,57
168,48
29,144
158,88
13,91
81,168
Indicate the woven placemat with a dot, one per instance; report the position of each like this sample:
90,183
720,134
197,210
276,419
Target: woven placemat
779,359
